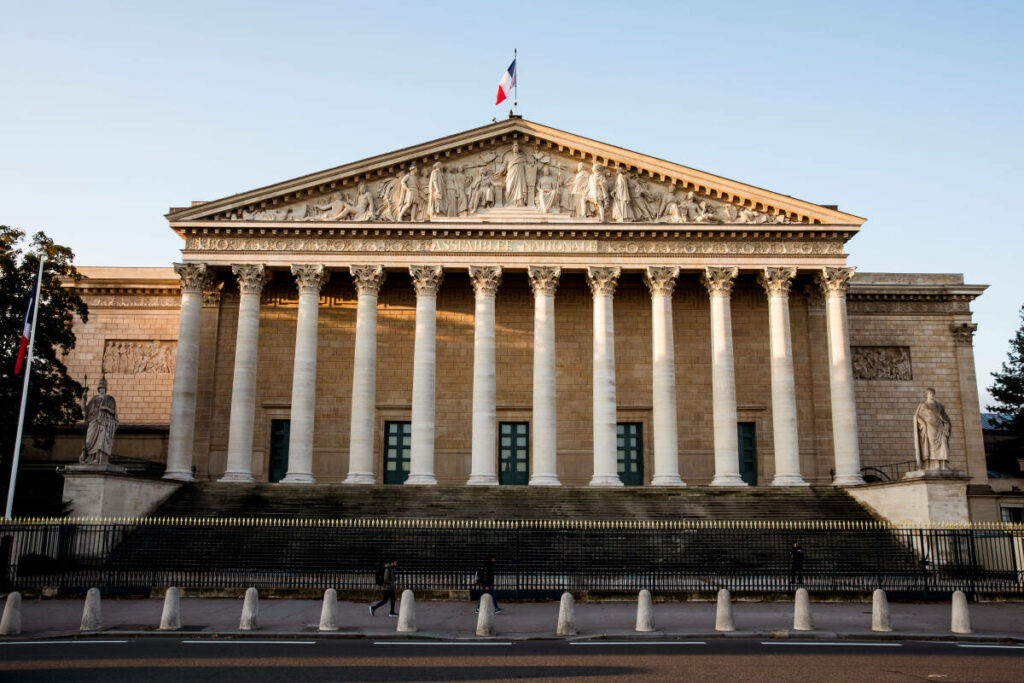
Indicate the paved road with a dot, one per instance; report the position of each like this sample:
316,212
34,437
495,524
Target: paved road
308,661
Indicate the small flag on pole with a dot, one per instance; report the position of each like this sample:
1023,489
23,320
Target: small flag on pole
508,81
27,327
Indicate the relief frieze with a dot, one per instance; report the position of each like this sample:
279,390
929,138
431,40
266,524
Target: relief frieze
882,362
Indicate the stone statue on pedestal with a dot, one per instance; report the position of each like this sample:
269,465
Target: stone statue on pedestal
100,425
931,433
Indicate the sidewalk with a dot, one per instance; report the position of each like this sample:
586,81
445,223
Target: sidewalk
456,620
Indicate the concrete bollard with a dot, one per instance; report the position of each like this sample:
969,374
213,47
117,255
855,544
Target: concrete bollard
407,613
329,612
92,619
170,619
723,615
644,612
880,619
250,620
566,616
961,622
10,624
802,620
485,620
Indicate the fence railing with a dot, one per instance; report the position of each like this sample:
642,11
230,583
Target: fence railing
534,556
889,472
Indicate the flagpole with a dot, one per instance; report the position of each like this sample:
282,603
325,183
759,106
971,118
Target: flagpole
515,60
24,390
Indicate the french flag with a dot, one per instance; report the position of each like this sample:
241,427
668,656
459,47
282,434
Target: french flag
26,328
508,81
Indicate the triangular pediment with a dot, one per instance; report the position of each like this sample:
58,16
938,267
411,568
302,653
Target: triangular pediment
512,171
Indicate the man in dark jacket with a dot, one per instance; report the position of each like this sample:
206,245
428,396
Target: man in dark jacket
485,578
387,589
796,563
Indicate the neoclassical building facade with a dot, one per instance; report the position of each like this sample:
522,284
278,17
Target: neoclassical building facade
518,305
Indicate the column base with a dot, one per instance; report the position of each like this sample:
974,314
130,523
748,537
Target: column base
728,480
848,480
298,478
667,480
606,480
544,480
421,480
179,475
482,480
360,478
789,480
237,478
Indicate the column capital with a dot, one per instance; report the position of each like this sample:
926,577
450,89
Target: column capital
835,281
368,279
661,279
719,280
194,277
603,279
426,279
251,277
963,333
777,280
544,279
309,277
485,279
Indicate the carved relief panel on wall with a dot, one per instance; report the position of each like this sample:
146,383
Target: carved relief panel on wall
882,362
131,357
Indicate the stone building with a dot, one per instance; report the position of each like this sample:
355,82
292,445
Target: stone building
515,304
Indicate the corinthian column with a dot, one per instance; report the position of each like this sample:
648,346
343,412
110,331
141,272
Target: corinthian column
251,279
719,282
426,280
834,282
368,280
544,281
662,283
308,278
485,281
776,282
602,283
186,367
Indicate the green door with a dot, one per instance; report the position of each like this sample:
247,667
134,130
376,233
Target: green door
397,440
514,453
278,465
748,452
630,443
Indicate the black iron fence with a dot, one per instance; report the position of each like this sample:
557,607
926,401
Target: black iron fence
534,557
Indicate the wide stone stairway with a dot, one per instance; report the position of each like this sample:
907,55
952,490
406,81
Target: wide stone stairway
325,501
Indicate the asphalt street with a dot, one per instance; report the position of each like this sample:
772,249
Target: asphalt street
254,661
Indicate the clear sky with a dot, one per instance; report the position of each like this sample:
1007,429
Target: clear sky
907,113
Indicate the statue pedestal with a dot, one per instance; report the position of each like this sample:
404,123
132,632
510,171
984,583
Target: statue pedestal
106,491
922,497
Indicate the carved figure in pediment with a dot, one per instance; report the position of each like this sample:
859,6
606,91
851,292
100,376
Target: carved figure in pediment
622,202
482,193
670,210
408,194
454,192
437,202
751,216
515,177
564,179
644,201
597,193
547,192
578,190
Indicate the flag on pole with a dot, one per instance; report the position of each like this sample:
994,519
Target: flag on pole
27,327
508,81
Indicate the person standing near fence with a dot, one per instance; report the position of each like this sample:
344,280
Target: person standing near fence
485,579
386,580
796,563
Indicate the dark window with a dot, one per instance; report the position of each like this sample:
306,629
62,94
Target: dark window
630,443
514,453
1014,515
397,440
277,468
748,451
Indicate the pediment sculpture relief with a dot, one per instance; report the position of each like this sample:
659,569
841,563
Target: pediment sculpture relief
525,179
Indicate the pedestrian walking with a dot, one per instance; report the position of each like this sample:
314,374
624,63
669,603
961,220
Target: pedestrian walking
386,580
485,579
796,563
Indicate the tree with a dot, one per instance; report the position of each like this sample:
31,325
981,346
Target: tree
53,397
1008,391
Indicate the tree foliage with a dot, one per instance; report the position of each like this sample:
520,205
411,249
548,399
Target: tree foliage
53,397
1008,391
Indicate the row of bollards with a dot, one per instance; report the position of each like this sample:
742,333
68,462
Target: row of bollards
170,619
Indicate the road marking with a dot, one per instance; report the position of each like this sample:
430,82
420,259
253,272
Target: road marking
638,642
430,642
247,642
64,642
994,647
782,642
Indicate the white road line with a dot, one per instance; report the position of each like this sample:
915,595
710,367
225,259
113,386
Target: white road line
782,642
638,642
994,647
64,642
429,642
247,642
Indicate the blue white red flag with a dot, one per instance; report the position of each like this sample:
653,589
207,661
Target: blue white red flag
26,328
508,81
